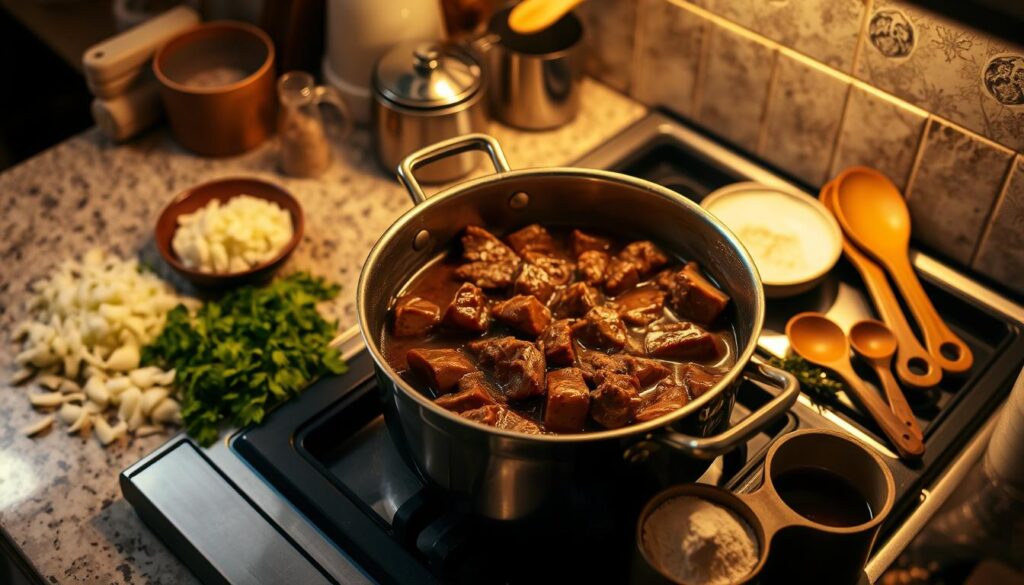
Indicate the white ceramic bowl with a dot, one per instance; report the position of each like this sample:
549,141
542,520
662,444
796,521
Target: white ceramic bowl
793,239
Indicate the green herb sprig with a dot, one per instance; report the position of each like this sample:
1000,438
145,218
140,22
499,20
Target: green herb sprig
239,356
813,380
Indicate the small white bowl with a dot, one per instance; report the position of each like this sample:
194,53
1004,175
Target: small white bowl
793,239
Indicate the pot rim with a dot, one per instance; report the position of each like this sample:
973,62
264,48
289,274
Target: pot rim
743,356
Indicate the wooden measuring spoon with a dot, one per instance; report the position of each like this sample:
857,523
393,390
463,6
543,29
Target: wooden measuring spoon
914,365
820,341
875,216
532,16
876,344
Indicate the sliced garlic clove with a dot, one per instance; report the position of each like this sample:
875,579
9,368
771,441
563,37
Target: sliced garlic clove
151,397
69,413
147,430
46,400
144,377
74,397
130,400
50,382
118,384
167,411
97,391
108,434
124,358
71,364
38,426
21,375
69,387
165,379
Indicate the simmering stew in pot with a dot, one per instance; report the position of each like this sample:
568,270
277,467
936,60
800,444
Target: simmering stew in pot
559,331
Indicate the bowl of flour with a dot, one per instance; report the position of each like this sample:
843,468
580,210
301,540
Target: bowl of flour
699,535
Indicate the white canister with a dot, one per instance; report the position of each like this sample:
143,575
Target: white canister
358,32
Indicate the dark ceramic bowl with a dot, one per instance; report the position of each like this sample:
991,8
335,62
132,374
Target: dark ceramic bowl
224,189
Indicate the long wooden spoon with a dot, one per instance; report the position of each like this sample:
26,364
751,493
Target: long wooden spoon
819,340
875,344
532,16
875,216
914,365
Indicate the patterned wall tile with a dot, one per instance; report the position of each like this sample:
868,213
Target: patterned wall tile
826,30
804,113
879,131
734,88
957,181
947,69
1001,254
669,40
610,28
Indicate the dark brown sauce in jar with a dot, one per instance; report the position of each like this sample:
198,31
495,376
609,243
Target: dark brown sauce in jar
823,497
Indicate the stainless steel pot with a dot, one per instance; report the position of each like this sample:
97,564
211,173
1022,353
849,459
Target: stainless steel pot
424,92
507,475
533,81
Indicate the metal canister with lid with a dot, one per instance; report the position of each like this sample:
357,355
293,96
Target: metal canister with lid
425,92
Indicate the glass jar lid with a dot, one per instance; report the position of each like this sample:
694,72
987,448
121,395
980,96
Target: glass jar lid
427,74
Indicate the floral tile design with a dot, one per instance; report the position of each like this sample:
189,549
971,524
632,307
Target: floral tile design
826,30
804,113
735,83
610,27
879,131
670,38
946,68
1001,254
957,182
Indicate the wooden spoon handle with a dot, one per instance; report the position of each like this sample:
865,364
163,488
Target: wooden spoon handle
908,446
532,16
897,401
909,350
937,336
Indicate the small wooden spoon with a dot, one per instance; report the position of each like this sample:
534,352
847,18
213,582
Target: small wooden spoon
910,354
875,216
532,16
820,341
875,344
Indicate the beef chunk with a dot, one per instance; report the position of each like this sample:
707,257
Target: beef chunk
647,371
440,368
645,256
532,237
641,306
556,343
692,296
568,401
680,341
665,399
592,265
601,328
415,316
491,264
495,415
621,276
582,242
698,380
615,401
523,313
518,365
559,271
596,365
468,310
575,300
474,391
532,280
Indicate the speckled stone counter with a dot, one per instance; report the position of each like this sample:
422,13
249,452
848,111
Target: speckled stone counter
59,496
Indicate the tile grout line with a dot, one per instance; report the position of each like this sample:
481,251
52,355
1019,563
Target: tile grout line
838,139
702,66
636,60
869,5
762,132
908,191
990,218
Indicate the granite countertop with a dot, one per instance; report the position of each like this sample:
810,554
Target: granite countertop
59,494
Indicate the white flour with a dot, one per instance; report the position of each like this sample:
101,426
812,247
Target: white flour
700,543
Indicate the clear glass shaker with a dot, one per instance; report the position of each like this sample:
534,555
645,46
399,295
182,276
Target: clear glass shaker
303,136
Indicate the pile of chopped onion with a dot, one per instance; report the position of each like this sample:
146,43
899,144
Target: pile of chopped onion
88,321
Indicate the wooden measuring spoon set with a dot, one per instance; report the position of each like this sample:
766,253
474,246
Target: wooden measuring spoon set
876,224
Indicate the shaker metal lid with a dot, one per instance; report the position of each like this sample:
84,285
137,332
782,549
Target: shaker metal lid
427,74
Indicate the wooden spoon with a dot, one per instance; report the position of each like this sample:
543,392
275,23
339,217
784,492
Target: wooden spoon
910,354
875,216
820,341
532,16
876,344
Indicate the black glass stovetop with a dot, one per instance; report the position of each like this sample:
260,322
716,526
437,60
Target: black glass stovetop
329,453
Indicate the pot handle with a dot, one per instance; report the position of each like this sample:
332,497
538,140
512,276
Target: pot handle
444,149
759,373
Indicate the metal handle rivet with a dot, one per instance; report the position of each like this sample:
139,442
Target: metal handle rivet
519,200
421,240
